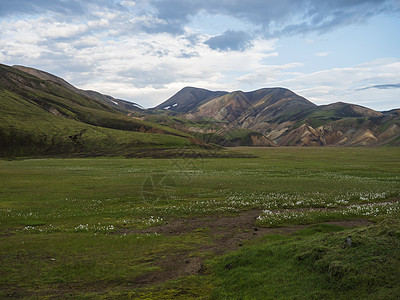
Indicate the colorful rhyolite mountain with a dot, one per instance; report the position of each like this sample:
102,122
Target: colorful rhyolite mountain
278,116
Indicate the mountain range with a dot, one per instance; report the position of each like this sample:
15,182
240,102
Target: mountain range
43,115
279,117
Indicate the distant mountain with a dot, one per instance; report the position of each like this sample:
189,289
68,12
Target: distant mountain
41,115
188,99
278,116
249,109
346,110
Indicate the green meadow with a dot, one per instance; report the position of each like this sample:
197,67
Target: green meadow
109,227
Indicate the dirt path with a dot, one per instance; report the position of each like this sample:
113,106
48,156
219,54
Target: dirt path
225,234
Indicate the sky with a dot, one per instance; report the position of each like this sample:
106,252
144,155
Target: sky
145,51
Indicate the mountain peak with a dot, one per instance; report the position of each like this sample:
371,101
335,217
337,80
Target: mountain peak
189,98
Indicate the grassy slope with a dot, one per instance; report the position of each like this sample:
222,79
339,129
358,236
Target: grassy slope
315,264
86,127
28,130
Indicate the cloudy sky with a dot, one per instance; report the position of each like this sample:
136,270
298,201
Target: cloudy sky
147,50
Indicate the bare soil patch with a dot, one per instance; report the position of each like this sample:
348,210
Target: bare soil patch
225,234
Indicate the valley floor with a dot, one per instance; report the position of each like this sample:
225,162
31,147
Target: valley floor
286,223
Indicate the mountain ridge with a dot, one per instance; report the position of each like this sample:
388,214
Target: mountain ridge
277,113
42,114
86,93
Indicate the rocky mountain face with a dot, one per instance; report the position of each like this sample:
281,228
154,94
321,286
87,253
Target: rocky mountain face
279,117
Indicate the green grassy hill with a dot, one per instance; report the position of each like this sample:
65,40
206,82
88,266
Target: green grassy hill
42,117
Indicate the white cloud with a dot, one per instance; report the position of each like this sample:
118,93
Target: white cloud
343,84
322,54
64,30
149,69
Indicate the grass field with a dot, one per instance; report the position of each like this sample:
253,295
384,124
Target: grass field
267,227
